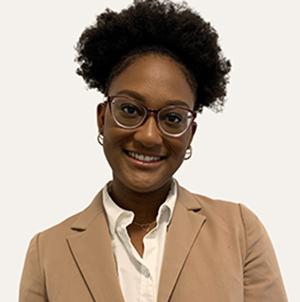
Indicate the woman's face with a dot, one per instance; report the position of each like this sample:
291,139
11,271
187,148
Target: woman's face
155,81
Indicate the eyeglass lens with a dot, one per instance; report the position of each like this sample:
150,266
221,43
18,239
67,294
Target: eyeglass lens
130,114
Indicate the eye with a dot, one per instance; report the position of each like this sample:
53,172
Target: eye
129,109
173,118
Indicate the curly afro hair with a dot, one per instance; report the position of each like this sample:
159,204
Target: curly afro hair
111,44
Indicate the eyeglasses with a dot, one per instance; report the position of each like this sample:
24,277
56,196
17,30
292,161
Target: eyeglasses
172,120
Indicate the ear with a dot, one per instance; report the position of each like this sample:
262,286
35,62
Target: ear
193,128
101,116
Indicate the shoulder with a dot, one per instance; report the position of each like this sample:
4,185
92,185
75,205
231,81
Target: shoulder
58,233
225,210
237,241
230,218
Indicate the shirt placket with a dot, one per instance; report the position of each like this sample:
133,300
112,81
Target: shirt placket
146,285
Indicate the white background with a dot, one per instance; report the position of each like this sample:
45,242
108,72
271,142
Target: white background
51,165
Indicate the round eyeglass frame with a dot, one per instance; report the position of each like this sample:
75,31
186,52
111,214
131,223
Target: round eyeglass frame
149,111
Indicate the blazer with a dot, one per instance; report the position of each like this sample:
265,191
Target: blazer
215,251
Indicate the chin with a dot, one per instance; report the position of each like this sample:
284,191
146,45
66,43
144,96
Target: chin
146,185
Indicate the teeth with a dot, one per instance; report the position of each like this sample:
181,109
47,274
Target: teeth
142,157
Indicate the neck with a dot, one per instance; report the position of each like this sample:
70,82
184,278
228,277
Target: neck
145,205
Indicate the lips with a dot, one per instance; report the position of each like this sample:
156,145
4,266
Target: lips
144,157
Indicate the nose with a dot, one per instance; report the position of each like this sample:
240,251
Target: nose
149,134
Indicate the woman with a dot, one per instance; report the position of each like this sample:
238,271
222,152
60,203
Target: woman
144,237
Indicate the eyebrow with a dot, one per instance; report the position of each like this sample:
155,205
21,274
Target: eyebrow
140,97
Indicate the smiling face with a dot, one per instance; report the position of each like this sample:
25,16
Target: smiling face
144,159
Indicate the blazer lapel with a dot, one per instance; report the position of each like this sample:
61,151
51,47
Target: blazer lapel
92,252
184,228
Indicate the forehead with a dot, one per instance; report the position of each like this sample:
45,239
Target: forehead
158,79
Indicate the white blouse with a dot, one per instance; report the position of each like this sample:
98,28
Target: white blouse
138,276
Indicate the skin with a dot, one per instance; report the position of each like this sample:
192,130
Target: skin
155,80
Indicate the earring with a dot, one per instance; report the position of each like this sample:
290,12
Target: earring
100,138
188,153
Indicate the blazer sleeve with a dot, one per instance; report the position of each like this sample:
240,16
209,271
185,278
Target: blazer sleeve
32,286
262,278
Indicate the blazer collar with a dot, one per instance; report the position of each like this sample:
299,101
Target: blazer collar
186,224
92,251
91,248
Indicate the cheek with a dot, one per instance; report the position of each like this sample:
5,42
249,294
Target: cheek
114,137
179,147
111,138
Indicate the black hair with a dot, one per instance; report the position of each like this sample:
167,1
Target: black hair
173,29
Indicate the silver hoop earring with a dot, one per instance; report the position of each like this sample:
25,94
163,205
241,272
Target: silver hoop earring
188,153
100,139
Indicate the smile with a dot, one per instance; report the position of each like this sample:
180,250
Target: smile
144,158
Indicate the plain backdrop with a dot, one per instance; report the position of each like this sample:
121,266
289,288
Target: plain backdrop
51,165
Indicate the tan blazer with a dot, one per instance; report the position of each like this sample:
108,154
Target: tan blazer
215,251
